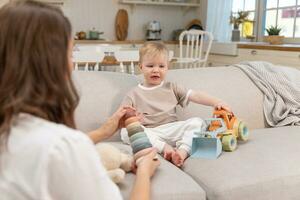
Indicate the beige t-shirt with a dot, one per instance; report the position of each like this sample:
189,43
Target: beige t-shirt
158,103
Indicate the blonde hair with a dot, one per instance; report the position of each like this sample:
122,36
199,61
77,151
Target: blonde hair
153,49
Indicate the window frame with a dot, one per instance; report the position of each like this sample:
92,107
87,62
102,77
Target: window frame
262,10
259,20
254,20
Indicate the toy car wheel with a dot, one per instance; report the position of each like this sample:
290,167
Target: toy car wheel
243,132
229,143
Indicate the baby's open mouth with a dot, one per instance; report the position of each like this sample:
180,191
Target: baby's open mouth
155,77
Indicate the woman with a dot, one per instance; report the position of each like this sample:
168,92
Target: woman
42,155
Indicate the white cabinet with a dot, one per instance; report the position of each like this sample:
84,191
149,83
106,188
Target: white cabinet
285,58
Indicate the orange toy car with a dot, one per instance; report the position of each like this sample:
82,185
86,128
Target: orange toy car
236,129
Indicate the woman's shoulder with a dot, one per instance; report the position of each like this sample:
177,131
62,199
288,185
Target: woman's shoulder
44,132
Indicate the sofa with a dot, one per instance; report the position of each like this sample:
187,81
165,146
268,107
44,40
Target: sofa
265,167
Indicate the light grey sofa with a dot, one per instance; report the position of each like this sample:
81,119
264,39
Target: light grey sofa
265,167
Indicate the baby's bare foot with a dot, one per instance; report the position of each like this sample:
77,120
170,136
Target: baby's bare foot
168,155
176,159
168,151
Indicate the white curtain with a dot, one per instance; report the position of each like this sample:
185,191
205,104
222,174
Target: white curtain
218,14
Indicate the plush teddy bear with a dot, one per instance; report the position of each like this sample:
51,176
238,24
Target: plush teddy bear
115,162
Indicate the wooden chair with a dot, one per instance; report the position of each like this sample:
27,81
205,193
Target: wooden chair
98,60
195,46
89,59
127,58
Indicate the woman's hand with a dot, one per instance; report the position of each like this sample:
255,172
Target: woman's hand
109,127
222,105
117,118
147,165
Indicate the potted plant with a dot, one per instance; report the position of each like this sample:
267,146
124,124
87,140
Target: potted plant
241,17
273,35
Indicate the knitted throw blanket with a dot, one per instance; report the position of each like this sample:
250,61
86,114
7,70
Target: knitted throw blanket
281,89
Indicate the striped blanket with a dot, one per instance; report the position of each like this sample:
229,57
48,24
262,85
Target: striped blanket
281,89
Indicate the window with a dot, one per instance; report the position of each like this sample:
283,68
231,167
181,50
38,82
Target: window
285,14
247,28
264,13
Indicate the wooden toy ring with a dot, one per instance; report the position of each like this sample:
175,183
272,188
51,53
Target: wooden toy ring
131,120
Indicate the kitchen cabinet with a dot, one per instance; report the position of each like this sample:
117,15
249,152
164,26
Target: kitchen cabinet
285,58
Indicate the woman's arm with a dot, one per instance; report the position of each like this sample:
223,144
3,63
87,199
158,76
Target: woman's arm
145,170
109,127
115,122
208,100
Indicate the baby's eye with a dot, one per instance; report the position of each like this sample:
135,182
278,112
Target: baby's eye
150,66
161,66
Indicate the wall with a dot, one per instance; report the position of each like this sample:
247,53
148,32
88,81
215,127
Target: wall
203,12
100,14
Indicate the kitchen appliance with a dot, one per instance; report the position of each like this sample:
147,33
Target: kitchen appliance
153,31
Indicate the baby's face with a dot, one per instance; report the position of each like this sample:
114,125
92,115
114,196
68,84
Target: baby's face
154,69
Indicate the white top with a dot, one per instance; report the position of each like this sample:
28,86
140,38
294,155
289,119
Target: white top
45,160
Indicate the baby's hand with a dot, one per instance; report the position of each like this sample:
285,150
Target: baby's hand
222,105
133,112
140,116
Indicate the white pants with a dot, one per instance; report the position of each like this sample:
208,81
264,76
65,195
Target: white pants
177,134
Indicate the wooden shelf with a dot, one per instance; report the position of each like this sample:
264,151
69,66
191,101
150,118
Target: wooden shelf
165,3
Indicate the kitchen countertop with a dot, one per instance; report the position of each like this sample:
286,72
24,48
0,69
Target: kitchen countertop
267,46
118,42
216,46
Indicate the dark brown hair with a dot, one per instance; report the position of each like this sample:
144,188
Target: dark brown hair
34,71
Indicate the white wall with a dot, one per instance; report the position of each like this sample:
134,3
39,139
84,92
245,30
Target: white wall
203,12
86,14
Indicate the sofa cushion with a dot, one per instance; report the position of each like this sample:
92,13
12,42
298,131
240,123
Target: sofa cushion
100,95
265,167
168,183
227,83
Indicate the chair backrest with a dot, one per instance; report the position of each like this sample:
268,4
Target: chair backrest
127,58
87,58
100,55
198,45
